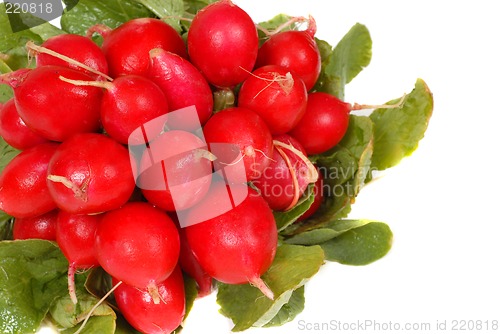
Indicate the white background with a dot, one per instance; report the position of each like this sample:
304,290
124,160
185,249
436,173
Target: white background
440,202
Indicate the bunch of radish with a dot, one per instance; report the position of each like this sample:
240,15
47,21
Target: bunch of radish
198,196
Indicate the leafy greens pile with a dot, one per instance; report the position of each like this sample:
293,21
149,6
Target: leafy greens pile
33,283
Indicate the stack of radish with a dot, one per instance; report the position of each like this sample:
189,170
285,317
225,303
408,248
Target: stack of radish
74,117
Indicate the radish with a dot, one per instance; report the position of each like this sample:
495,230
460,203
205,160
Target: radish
238,245
175,171
277,95
90,173
287,176
127,47
223,43
128,102
324,124
294,50
75,235
13,129
183,85
319,194
76,47
39,227
139,245
237,135
326,120
51,107
23,186
190,265
143,314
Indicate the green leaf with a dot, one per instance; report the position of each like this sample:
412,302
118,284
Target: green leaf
350,159
32,276
6,93
285,218
191,292
4,68
398,130
193,6
290,310
99,324
6,224
10,40
98,282
170,11
7,153
360,246
325,49
348,58
111,13
292,267
12,44
344,168
67,315
326,232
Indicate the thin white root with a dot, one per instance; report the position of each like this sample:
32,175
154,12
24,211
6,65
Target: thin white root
92,310
99,84
205,154
264,154
268,33
154,293
286,81
71,283
399,104
262,286
248,151
33,48
312,171
79,192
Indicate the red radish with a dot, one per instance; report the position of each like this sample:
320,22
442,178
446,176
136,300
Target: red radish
51,107
287,176
223,43
294,50
128,102
183,85
13,129
277,95
324,124
248,133
326,121
239,245
39,227
143,314
175,171
318,197
75,235
139,245
76,47
190,265
127,47
90,173
23,183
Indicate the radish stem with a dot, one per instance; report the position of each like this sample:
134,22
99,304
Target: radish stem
33,48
